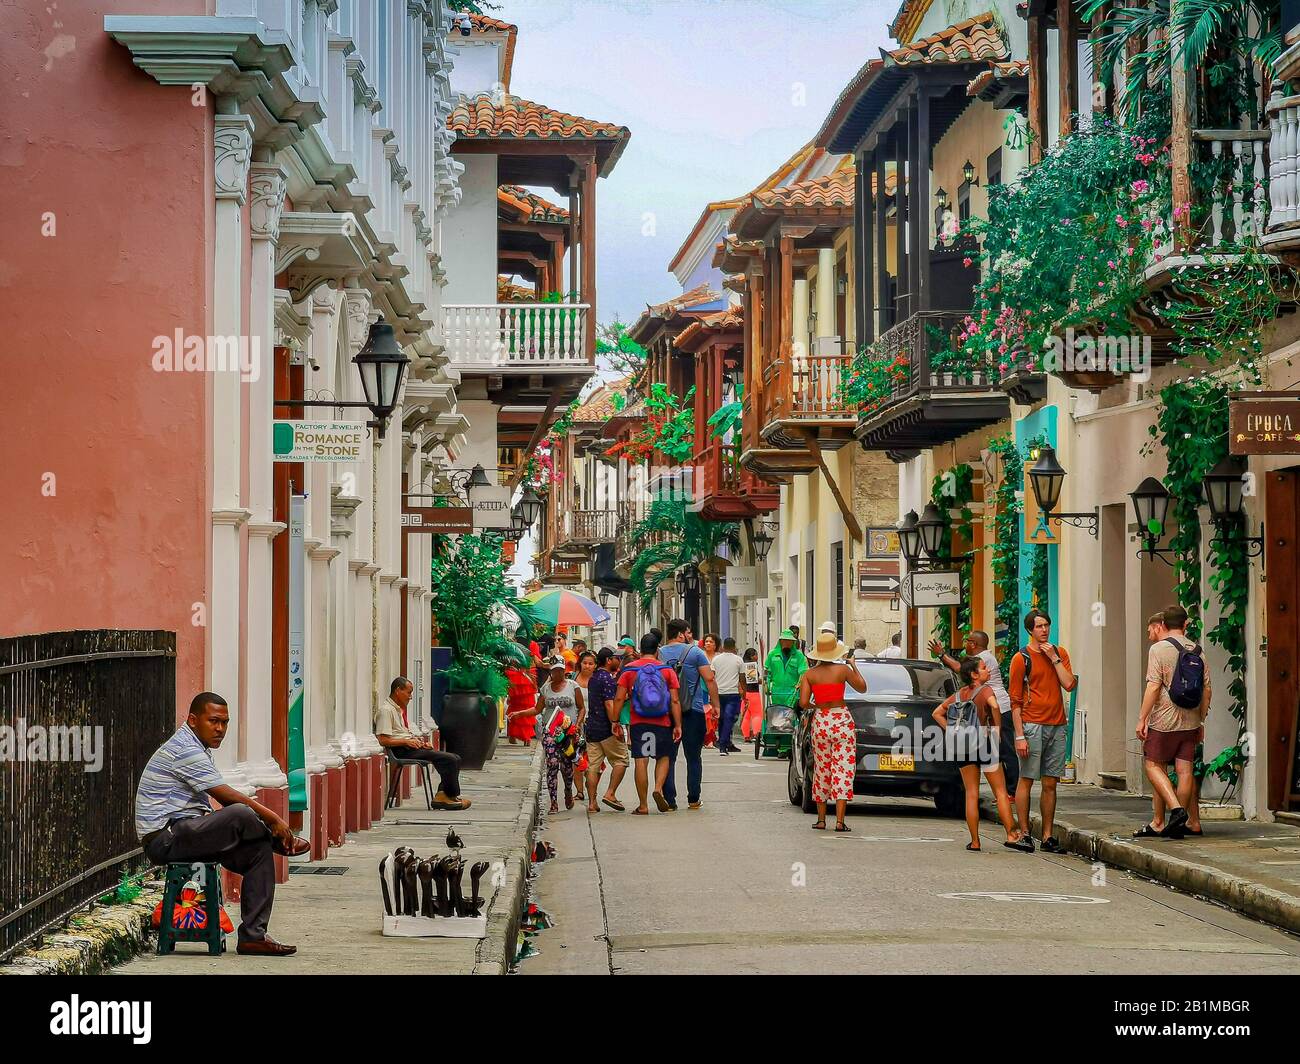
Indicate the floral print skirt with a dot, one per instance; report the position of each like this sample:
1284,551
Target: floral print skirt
835,755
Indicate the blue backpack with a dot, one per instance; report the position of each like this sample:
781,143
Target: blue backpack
650,696
1187,684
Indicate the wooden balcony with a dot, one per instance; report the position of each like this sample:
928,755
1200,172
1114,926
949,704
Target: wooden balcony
928,406
554,570
725,490
580,531
517,337
799,410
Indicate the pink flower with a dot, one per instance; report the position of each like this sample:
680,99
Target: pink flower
1110,263
966,261
1140,186
1002,367
1146,223
1120,221
1002,349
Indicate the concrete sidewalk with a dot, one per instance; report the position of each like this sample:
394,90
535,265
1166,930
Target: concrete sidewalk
334,920
1248,866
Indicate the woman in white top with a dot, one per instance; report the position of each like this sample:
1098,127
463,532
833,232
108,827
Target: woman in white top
559,701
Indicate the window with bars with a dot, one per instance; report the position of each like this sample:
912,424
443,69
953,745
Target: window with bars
838,550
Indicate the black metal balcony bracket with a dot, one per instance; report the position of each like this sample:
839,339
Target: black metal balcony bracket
1088,519
1150,551
1254,545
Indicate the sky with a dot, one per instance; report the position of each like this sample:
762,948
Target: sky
716,94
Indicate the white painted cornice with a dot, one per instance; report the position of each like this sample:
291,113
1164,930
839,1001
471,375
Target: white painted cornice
234,517
266,529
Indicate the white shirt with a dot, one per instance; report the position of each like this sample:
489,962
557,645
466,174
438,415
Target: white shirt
726,671
891,651
995,681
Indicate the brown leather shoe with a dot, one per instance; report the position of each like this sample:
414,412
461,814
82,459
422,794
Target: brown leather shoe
266,947
299,847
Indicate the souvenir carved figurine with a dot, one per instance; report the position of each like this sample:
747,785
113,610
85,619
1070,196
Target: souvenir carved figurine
456,876
476,874
385,868
410,889
425,872
440,874
401,856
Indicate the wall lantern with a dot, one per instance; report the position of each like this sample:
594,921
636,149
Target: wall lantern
1151,507
1046,477
762,543
909,539
530,506
968,173
931,527
942,198
1225,487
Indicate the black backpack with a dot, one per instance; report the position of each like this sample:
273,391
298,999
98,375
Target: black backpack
1187,684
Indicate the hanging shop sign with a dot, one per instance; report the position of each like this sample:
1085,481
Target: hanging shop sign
932,590
878,578
318,441
742,581
491,507
446,520
1264,423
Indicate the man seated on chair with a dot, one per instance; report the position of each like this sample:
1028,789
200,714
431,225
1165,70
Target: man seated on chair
393,733
176,822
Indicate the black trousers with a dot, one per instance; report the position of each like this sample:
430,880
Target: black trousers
445,763
235,838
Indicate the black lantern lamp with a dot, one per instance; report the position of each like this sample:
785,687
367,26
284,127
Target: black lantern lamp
679,582
382,364
691,580
909,539
941,197
931,528
762,543
968,173
1225,488
1046,478
530,506
468,481
1151,507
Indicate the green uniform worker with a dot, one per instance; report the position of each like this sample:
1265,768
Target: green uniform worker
784,665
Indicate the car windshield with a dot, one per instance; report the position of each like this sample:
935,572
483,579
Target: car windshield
885,680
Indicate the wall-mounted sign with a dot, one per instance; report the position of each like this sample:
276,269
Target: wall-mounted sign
491,507
1264,425
932,590
742,581
878,578
882,543
447,520
318,441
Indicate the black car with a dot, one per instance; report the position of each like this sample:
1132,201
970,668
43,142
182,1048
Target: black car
901,694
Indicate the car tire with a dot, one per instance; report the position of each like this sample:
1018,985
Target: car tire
807,804
951,802
793,786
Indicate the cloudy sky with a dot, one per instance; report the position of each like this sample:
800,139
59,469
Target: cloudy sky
716,93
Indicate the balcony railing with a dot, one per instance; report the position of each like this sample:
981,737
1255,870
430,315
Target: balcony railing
522,335
1284,161
588,527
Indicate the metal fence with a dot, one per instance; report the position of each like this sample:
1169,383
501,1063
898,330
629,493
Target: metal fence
80,714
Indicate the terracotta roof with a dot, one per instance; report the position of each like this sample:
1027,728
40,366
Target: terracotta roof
971,39
599,407
1017,68
909,16
531,206
509,292
830,196
487,24
724,321
732,246
481,117
701,293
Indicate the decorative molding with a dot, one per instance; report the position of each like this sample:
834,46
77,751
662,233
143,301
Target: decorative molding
267,183
323,554
344,505
232,146
358,304
368,569
292,326
233,518
387,578
356,565
266,529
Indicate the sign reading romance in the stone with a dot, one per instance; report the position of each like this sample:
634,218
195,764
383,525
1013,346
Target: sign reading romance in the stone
1264,425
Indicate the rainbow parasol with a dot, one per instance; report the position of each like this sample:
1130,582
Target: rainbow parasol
555,606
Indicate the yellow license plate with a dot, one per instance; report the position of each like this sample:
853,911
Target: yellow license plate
897,763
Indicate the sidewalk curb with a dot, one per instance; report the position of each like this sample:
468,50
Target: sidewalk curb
1252,899
92,943
496,952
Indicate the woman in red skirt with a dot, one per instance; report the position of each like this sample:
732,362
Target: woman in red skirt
521,696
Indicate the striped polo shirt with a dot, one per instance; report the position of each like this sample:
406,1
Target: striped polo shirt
175,782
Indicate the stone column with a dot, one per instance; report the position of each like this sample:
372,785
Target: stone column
232,144
826,325
344,662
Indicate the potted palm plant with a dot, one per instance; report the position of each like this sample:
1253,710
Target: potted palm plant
470,596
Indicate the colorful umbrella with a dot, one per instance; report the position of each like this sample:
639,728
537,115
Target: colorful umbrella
555,605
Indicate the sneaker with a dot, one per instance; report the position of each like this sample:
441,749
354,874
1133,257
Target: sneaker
732,750
724,752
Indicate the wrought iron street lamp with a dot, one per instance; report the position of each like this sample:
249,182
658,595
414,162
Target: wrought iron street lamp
1225,488
530,506
1046,478
968,173
931,528
909,539
382,364
1151,507
761,540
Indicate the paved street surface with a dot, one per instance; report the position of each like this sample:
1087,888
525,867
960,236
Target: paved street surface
335,920
714,891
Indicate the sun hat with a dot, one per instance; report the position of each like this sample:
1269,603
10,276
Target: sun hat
827,648
556,662
786,634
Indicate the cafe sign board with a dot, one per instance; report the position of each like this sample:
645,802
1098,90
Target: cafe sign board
446,520
1264,423
932,590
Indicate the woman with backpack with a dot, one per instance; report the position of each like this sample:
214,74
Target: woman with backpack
834,735
971,722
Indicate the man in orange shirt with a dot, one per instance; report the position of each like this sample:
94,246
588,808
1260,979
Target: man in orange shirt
1040,673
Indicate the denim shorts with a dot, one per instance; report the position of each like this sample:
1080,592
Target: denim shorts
651,740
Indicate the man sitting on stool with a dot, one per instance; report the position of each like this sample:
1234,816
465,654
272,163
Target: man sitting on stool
392,732
176,823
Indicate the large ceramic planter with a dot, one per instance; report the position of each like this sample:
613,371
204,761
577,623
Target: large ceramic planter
469,727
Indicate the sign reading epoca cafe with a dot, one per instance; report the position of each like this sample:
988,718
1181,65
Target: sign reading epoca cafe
1264,423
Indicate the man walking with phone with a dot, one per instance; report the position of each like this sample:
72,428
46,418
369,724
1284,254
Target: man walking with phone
1040,674
698,689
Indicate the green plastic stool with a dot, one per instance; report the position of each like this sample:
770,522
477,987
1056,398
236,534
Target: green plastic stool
178,874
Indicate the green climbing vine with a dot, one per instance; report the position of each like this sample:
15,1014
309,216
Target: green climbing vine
1008,546
952,492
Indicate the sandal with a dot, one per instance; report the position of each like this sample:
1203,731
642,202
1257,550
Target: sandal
1146,831
973,848
568,801
614,804
640,812
819,825
842,827
554,808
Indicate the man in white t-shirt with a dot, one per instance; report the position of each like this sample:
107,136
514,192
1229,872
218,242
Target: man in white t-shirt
728,668
895,648
976,645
